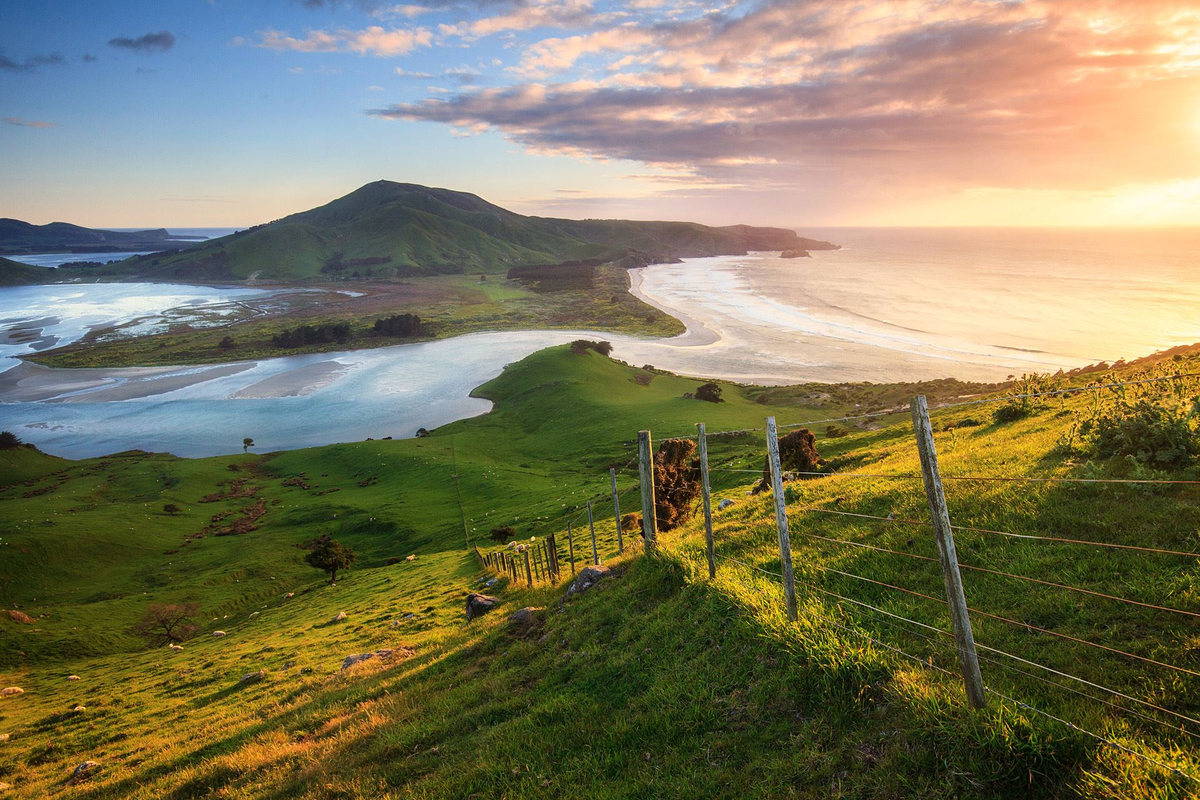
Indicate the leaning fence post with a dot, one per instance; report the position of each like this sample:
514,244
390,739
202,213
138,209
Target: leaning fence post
944,534
592,528
708,533
553,547
646,477
570,547
612,473
781,520
528,569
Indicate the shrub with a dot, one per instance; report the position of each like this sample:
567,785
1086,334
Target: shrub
9,440
313,334
504,533
835,431
403,325
226,343
709,392
580,347
797,453
1154,434
676,482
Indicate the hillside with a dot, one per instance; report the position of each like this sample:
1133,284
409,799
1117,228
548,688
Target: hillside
17,237
659,682
14,273
387,229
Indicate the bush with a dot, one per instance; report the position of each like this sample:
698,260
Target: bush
313,334
9,440
580,347
676,482
1153,434
504,533
797,453
226,343
709,392
403,325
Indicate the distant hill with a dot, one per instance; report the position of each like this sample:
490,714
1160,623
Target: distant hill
387,229
13,273
22,238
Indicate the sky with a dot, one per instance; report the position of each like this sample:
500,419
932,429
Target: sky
804,113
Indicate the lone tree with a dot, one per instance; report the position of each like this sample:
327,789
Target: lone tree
329,555
168,622
9,440
172,509
226,343
710,392
247,443
504,533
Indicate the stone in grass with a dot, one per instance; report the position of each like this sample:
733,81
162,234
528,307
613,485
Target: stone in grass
252,677
11,691
526,618
84,771
587,578
724,504
339,617
479,604
218,633
72,677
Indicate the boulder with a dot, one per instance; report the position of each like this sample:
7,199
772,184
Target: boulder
479,604
525,616
252,677
587,578
218,633
11,691
724,504
340,616
84,771
20,616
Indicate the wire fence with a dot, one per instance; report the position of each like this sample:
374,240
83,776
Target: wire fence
1084,622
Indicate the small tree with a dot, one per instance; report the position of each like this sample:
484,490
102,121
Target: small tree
329,555
247,443
710,392
9,440
505,533
172,509
226,343
168,622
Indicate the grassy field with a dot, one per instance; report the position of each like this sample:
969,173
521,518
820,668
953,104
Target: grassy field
657,683
448,305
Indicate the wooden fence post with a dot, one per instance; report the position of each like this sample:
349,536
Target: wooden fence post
553,545
571,548
704,487
537,561
592,528
549,564
646,477
781,520
528,569
612,473
940,514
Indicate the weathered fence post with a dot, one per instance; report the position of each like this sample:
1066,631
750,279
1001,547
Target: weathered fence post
592,528
553,542
549,562
528,569
570,548
781,520
708,533
646,477
537,561
612,473
944,533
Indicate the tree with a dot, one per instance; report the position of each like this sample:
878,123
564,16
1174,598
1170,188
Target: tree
226,343
329,555
9,440
172,509
247,443
504,533
710,392
168,622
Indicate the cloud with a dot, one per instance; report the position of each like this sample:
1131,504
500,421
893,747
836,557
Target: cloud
88,57
32,63
1069,94
374,40
403,73
27,123
146,44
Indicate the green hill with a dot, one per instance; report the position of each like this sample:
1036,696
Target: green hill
657,683
14,273
387,229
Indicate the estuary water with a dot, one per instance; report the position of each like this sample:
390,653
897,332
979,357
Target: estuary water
893,304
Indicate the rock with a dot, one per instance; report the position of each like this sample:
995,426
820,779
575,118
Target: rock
410,615
11,691
72,677
413,557
394,623
491,582
83,771
724,504
524,616
341,615
21,617
479,604
173,646
358,658
289,595
252,677
78,709
218,633
795,254
587,578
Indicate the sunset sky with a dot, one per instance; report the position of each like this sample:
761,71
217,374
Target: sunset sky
960,112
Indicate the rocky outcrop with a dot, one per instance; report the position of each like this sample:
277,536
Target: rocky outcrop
252,677
795,254
83,771
587,578
479,604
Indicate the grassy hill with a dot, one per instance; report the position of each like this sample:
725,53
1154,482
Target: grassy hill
14,273
659,682
387,229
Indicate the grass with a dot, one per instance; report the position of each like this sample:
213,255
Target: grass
658,682
448,305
